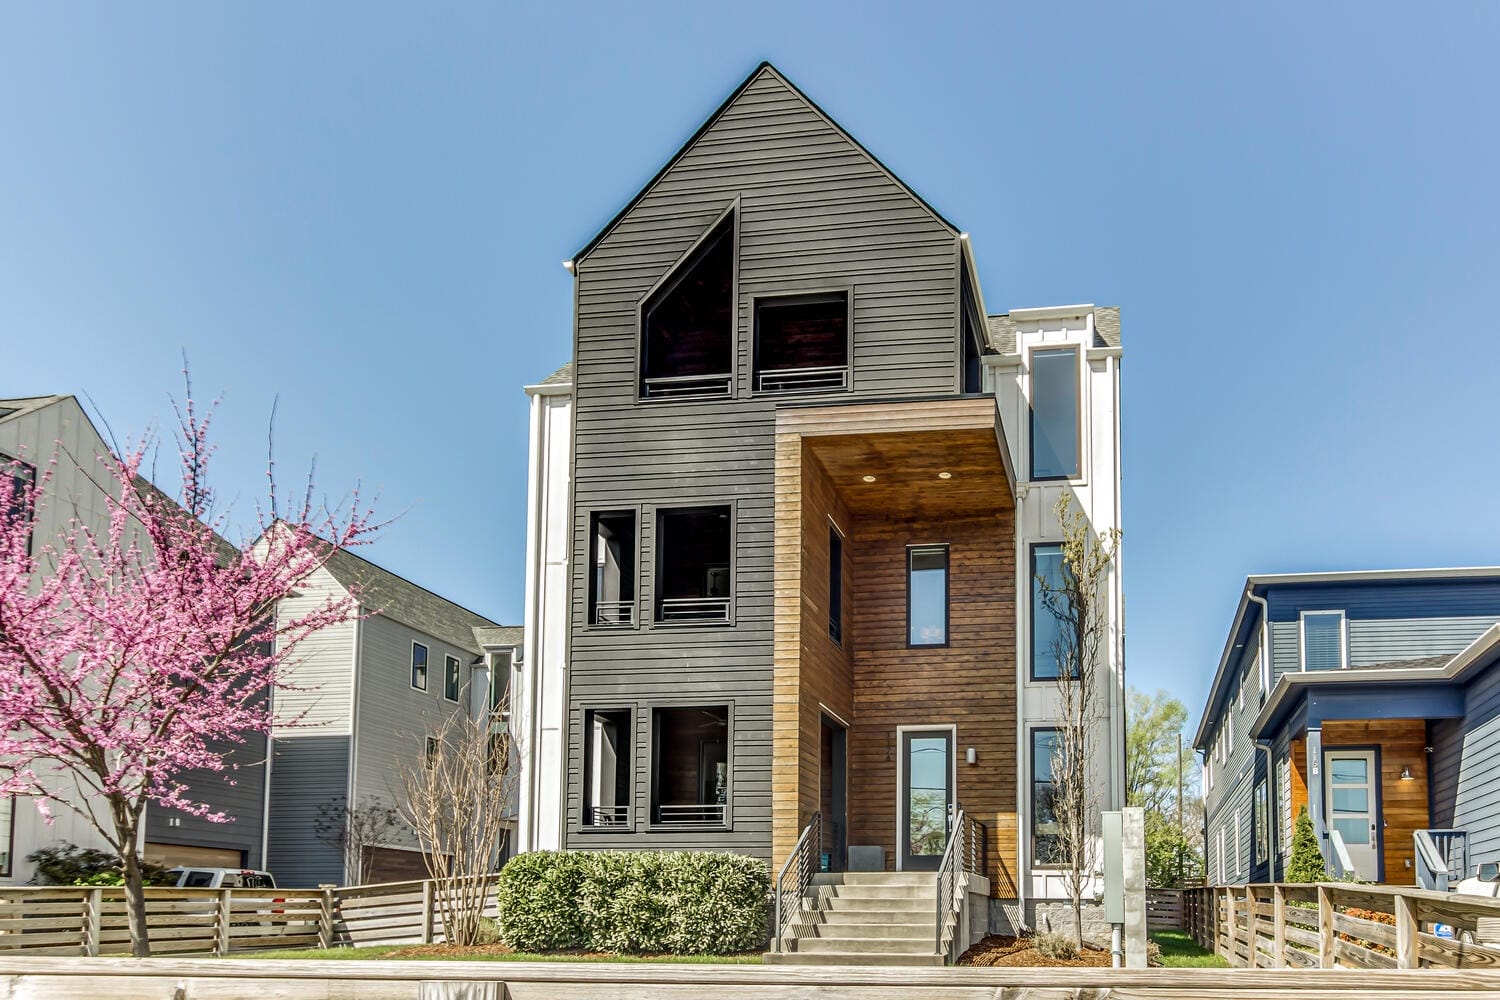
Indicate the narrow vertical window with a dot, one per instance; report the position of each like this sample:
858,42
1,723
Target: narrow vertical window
1047,652
1054,414
835,585
431,754
606,768
7,832
1323,645
419,666
1046,832
927,595
20,503
450,678
612,580
500,666
1261,817
971,327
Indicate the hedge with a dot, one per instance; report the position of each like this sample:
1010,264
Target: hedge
654,902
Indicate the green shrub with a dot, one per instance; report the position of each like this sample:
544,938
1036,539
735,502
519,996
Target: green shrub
634,902
1306,864
69,864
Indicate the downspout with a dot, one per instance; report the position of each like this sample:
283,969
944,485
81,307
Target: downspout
531,638
1265,641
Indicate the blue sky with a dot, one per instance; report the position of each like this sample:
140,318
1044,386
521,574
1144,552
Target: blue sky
361,209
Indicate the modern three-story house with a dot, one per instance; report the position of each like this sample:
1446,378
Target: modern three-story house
788,502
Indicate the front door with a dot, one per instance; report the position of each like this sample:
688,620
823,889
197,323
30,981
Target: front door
1351,790
926,797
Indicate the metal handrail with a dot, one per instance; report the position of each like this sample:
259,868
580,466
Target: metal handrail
802,864
614,613
694,609
610,816
950,888
665,386
795,379
1435,851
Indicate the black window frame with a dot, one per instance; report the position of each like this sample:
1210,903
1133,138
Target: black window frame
725,226
7,860
946,549
781,300
420,671
499,692
1039,608
972,334
659,562
633,574
1031,422
653,750
835,585
1038,860
585,769
451,678
430,753
22,475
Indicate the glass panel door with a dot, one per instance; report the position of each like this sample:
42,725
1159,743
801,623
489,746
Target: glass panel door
1351,798
926,797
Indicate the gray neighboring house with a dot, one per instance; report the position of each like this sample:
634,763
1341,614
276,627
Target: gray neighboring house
367,689
1372,699
31,429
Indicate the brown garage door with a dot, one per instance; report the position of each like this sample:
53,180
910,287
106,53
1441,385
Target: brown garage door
172,855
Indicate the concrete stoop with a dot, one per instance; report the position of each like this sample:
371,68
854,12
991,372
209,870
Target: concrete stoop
867,918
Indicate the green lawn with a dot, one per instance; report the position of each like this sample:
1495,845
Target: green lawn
1180,951
385,951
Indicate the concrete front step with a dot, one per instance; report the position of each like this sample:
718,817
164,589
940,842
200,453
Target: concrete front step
847,958
849,929
866,891
866,946
874,904
875,878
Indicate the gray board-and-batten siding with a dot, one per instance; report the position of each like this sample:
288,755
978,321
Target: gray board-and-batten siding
1465,769
306,772
813,210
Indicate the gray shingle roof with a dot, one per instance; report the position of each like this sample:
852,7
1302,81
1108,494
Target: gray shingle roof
562,376
397,598
1420,662
499,635
1002,330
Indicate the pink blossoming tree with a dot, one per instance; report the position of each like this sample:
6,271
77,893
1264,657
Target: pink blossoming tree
129,653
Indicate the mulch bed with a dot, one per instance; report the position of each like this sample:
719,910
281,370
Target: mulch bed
1004,950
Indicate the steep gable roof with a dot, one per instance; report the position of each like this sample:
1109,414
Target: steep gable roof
399,599
765,68
12,408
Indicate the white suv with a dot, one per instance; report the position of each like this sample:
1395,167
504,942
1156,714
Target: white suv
222,878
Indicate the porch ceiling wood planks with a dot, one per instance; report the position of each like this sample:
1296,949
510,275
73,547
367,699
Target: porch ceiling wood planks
905,445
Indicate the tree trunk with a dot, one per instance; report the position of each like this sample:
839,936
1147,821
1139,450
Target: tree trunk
135,902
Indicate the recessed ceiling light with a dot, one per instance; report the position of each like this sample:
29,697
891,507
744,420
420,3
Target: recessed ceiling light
945,475
868,479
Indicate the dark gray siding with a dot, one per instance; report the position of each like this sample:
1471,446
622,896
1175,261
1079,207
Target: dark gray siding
239,791
814,211
306,772
1466,769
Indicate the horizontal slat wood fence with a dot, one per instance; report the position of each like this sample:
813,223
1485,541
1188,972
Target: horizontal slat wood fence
68,920
1163,909
1346,926
163,979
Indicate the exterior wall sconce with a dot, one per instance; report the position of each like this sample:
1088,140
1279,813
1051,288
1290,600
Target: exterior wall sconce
971,756
1406,772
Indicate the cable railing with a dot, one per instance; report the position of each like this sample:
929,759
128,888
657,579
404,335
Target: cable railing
965,854
612,613
803,379
694,610
685,386
795,876
694,814
607,816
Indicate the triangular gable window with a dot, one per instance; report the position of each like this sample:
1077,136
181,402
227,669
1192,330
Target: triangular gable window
687,324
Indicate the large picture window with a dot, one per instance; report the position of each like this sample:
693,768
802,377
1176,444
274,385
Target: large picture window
1054,414
694,547
1046,632
690,772
927,595
802,342
1046,832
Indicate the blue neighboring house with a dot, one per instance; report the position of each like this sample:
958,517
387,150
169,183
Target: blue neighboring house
1371,699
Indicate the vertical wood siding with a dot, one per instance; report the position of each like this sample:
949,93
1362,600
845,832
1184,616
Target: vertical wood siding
813,211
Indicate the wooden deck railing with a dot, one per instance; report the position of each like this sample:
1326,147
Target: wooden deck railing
1342,925
68,920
